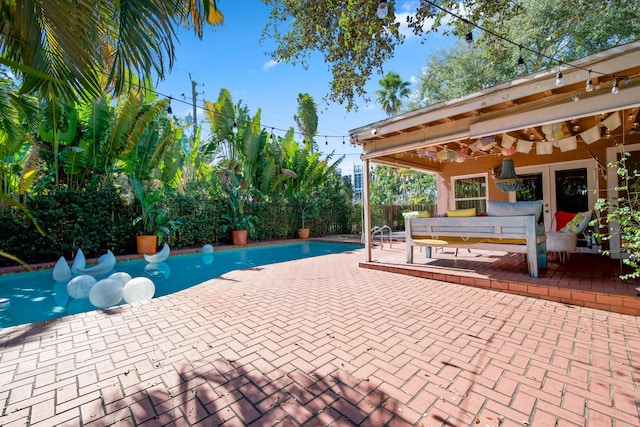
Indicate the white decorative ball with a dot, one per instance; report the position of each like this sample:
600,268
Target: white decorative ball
157,269
80,286
138,289
106,293
121,276
207,249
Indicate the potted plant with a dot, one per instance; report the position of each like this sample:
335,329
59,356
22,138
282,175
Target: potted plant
155,221
307,202
241,225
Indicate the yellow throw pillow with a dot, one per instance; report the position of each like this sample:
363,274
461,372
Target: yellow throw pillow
462,212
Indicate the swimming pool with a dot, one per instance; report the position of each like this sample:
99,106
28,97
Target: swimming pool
35,296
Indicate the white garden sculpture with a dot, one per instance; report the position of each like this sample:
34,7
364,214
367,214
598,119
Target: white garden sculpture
159,256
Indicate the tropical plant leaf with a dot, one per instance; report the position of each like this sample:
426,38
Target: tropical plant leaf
16,259
125,116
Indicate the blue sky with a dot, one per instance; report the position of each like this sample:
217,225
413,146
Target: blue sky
231,57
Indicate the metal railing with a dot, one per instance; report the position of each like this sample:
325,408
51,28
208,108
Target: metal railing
375,230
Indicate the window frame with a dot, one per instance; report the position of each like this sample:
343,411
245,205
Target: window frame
485,198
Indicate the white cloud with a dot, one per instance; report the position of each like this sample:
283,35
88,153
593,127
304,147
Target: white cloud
414,79
270,64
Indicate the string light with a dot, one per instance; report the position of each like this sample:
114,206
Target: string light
559,76
589,86
469,39
382,9
234,129
615,89
521,67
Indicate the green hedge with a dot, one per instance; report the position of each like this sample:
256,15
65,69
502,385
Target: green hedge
94,221
99,220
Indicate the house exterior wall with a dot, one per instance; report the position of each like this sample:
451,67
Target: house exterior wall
484,163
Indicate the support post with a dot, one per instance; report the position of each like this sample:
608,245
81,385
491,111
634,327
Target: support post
367,209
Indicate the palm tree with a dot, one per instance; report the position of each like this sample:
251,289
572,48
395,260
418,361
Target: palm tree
89,48
392,90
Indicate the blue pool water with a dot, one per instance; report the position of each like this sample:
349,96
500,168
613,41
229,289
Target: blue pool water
35,296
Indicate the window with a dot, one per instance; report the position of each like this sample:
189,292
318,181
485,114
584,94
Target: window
572,190
470,192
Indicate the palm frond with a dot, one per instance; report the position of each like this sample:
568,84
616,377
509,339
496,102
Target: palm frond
195,13
10,116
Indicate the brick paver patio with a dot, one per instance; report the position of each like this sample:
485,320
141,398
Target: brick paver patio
321,342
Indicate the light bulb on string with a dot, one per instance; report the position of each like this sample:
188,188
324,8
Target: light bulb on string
615,89
234,128
521,66
559,79
382,9
589,85
469,39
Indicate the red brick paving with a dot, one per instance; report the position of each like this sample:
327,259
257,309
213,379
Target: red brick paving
320,342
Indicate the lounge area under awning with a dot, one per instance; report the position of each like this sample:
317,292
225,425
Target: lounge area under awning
548,131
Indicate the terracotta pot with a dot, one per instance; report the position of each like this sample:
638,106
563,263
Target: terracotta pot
147,244
239,237
303,233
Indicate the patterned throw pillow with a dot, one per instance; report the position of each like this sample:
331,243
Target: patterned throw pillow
417,214
578,224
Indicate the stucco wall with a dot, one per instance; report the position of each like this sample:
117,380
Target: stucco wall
483,164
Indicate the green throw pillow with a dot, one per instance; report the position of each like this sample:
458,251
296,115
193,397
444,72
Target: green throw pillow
417,214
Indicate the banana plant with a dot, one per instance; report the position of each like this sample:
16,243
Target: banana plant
154,149
308,172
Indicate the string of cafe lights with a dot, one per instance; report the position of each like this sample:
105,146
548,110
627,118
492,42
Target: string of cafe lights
235,124
273,128
382,12
521,66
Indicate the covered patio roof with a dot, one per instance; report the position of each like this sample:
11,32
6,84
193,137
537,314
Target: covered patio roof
524,109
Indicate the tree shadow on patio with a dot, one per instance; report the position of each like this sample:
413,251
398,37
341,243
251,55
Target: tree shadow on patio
222,390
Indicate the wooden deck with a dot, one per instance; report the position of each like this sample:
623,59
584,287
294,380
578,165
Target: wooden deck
586,280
